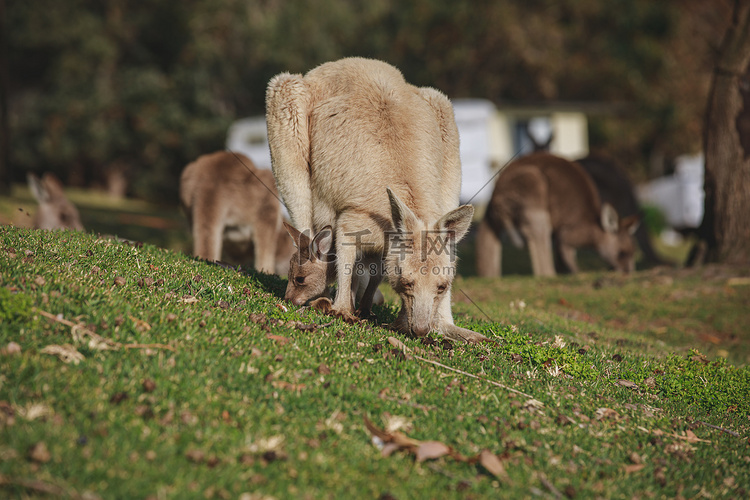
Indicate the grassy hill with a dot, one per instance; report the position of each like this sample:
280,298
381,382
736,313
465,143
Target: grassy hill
130,371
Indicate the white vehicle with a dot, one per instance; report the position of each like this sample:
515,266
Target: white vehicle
679,196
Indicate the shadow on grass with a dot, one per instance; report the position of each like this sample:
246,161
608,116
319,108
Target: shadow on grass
382,315
270,283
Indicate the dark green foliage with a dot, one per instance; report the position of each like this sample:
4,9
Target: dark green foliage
142,88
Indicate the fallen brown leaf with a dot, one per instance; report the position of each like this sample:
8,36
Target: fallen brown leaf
403,440
195,456
140,325
430,450
690,437
629,469
389,448
280,384
627,383
39,453
11,349
607,413
493,465
118,398
278,338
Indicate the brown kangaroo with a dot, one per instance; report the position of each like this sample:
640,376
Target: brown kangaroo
312,269
357,148
540,197
55,210
233,206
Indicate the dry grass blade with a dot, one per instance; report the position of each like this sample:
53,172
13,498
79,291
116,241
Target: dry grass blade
551,487
97,342
66,352
400,345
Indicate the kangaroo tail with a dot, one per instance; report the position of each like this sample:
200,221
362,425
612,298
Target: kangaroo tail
515,236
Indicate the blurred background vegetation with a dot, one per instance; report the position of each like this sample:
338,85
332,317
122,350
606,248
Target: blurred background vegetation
123,94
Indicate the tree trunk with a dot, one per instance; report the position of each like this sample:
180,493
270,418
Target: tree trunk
726,220
4,100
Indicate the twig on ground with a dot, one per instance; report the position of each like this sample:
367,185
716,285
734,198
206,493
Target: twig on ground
551,487
111,344
689,435
147,346
38,486
730,432
400,345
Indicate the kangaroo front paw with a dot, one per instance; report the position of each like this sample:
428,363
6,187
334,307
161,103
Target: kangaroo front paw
365,314
322,304
459,334
346,316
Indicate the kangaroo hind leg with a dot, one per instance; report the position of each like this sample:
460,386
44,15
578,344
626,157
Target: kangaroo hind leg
537,229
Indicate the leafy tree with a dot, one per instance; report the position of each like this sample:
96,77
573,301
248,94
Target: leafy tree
134,90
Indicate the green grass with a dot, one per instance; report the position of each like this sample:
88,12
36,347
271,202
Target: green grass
242,393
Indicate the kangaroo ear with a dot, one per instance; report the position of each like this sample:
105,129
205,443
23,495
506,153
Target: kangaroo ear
404,219
609,218
321,245
301,240
37,188
631,223
457,221
54,185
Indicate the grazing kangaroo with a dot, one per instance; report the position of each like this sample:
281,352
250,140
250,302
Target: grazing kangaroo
55,210
357,148
233,206
540,197
615,188
312,269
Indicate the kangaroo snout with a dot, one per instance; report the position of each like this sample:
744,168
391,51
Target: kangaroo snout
297,301
420,330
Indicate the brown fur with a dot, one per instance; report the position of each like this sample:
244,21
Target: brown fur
233,207
339,137
55,210
540,197
312,269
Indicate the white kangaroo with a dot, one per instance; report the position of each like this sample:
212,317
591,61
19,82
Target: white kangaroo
55,210
233,207
356,147
541,197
